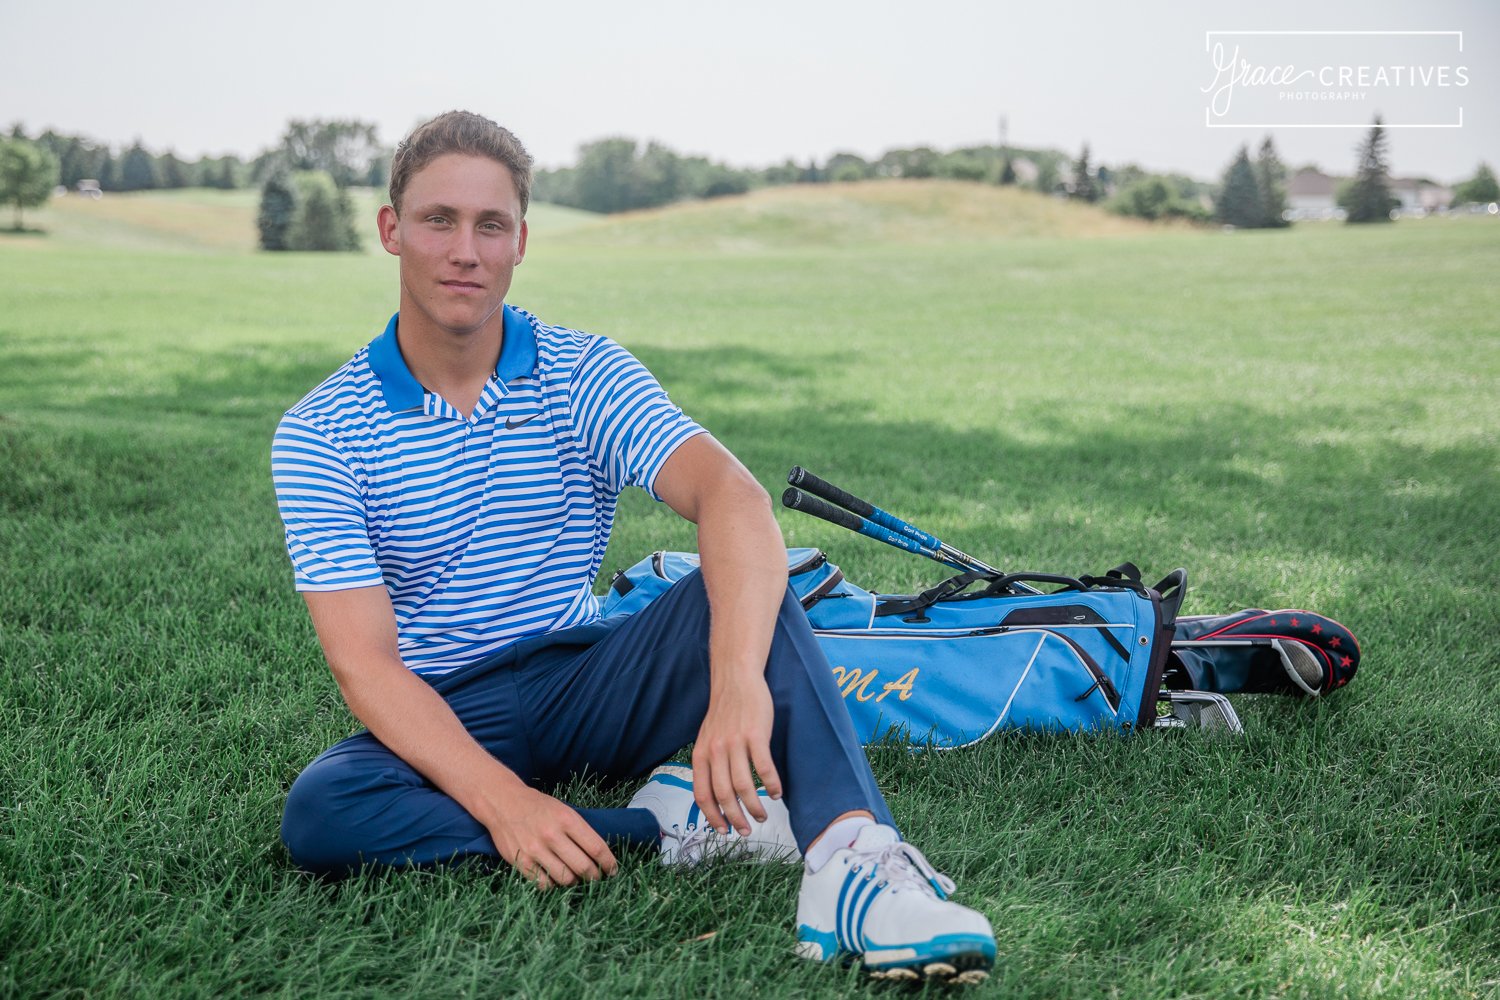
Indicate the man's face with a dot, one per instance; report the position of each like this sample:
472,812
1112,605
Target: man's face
459,236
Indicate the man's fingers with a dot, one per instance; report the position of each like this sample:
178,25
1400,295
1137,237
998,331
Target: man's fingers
577,862
605,859
744,790
767,771
535,870
597,850
727,794
707,792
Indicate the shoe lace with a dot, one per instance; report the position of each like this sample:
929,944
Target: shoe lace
902,866
700,842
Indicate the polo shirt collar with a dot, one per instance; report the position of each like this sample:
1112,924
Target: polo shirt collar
400,387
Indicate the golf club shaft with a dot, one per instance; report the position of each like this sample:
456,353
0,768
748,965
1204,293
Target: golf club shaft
800,477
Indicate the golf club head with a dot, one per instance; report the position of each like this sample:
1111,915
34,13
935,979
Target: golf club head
1199,710
1301,665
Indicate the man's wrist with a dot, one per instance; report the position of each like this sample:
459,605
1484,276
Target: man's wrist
488,791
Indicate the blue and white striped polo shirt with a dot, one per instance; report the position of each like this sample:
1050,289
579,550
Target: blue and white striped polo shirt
484,529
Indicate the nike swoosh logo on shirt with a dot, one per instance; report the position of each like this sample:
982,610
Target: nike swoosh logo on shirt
511,423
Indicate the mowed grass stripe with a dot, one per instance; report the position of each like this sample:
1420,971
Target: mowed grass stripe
1300,418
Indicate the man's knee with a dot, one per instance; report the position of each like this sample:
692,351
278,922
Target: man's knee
318,826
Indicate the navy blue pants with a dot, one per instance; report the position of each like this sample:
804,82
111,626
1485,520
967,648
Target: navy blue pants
613,699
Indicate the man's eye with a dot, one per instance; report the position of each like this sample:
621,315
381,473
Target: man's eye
437,220
493,227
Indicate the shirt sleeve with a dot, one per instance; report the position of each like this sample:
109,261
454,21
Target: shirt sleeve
628,424
323,510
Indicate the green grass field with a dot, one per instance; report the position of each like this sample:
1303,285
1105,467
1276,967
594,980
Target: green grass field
1302,418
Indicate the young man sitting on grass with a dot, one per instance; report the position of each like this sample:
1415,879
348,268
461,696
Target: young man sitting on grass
448,495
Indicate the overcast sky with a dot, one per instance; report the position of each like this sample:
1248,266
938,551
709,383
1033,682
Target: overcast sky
750,83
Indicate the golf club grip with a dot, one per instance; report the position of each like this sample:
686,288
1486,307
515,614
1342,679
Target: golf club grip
822,488
795,499
808,504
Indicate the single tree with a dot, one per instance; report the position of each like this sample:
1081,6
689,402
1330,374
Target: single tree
1084,188
1008,172
172,171
1480,188
138,170
344,149
108,173
1146,198
962,165
28,173
1369,198
1046,174
1239,202
605,179
848,167
348,231
1270,178
278,210
324,219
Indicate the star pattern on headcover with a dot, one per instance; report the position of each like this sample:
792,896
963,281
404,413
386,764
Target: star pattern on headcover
1346,661
1317,630
1334,642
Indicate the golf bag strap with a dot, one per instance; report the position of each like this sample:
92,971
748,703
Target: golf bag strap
825,588
1006,584
928,597
1172,589
1127,575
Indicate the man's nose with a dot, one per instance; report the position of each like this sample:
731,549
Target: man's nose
464,248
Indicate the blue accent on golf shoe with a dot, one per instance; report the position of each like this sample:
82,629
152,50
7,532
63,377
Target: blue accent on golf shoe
825,940
934,949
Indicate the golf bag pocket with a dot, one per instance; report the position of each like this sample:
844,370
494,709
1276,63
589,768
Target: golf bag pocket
1081,661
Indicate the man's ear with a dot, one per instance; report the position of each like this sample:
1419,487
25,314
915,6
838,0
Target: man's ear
521,246
386,220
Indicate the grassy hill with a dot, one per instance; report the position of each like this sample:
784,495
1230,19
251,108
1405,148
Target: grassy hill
799,216
200,219
857,213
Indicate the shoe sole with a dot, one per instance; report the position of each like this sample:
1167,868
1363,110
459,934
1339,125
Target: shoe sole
962,968
957,970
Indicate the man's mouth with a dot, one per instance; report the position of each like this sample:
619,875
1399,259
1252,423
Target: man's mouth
462,284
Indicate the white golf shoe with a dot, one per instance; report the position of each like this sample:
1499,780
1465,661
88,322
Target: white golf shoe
688,839
880,901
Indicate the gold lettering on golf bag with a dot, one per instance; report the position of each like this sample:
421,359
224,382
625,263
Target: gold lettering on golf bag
853,680
902,684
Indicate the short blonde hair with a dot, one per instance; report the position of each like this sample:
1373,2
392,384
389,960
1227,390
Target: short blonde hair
460,132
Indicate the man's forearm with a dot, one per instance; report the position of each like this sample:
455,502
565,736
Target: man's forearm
416,724
744,572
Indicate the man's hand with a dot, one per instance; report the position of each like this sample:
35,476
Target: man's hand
544,839
548,842
735,736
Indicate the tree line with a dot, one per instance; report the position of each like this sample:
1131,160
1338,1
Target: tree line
349,150
305,205
304,179
621,174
